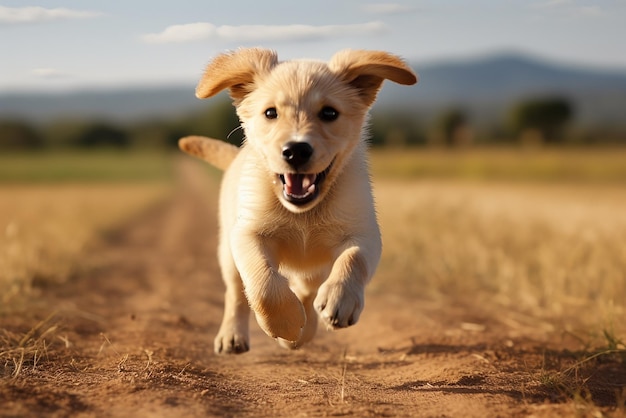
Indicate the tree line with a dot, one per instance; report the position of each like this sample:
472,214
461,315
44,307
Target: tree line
219,121
546,120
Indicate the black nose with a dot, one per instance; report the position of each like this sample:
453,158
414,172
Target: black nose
297,153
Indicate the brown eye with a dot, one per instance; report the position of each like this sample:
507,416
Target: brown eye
328,114
271,113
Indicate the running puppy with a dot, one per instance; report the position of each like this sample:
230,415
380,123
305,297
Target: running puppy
298,230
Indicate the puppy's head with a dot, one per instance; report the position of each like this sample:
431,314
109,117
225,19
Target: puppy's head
303,118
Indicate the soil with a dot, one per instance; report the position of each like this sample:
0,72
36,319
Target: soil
134,338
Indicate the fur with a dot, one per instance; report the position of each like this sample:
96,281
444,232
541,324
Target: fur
298,231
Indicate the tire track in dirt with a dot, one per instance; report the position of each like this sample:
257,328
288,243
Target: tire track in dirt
141,315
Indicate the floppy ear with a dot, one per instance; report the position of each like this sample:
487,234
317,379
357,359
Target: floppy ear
236,71
366,71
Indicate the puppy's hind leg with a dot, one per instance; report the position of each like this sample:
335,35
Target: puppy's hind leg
233,336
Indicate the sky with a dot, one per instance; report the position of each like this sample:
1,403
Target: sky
77,44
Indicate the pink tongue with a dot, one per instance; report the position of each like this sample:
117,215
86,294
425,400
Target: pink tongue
298,184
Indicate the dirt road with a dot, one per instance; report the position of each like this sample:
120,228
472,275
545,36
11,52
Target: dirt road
136,324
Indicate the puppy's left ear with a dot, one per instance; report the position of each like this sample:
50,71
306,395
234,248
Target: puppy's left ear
366,71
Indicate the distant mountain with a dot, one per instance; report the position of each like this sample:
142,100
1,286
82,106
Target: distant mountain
485,86
115,104
490,85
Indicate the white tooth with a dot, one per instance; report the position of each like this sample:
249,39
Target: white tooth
311,188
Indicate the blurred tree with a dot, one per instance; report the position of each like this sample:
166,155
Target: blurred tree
63,133
218,121
17,134
395,129
151,134
103,134
541,119
177,131
452,125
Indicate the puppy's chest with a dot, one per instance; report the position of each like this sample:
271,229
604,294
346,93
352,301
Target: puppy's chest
309,247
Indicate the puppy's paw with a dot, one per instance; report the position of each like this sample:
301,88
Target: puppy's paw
338,304
291,345
282,317
231,343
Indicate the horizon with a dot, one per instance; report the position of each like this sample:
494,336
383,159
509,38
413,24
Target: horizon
485,84
457,60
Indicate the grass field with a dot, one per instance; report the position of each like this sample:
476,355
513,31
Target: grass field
556,253
74,166
543,230
52,205
488,253
551,165
569,165
44,229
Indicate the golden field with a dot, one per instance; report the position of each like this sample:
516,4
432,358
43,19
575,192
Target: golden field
556,253
543,232
540,232
501,291
44,228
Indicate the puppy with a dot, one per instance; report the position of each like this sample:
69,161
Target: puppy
298,230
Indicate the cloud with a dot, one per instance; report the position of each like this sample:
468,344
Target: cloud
387,8
258,33
17,15
181,33
49,73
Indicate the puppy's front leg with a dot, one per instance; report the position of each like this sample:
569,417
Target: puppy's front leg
340,298
278,310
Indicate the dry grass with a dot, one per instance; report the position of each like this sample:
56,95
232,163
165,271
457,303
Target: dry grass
551,252
537,256
590,166
542,260
21,350
43,229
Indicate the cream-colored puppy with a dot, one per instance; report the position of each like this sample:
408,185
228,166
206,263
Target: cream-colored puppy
298,230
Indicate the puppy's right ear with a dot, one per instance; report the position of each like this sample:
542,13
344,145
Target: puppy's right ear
236,71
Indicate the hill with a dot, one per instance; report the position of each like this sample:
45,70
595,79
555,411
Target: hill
115,104
485,86
488,86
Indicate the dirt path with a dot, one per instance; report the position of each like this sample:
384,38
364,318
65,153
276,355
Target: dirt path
136,328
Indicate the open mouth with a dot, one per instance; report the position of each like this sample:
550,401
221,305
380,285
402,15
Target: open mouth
300,189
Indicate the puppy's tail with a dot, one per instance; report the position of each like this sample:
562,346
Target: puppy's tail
217,153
